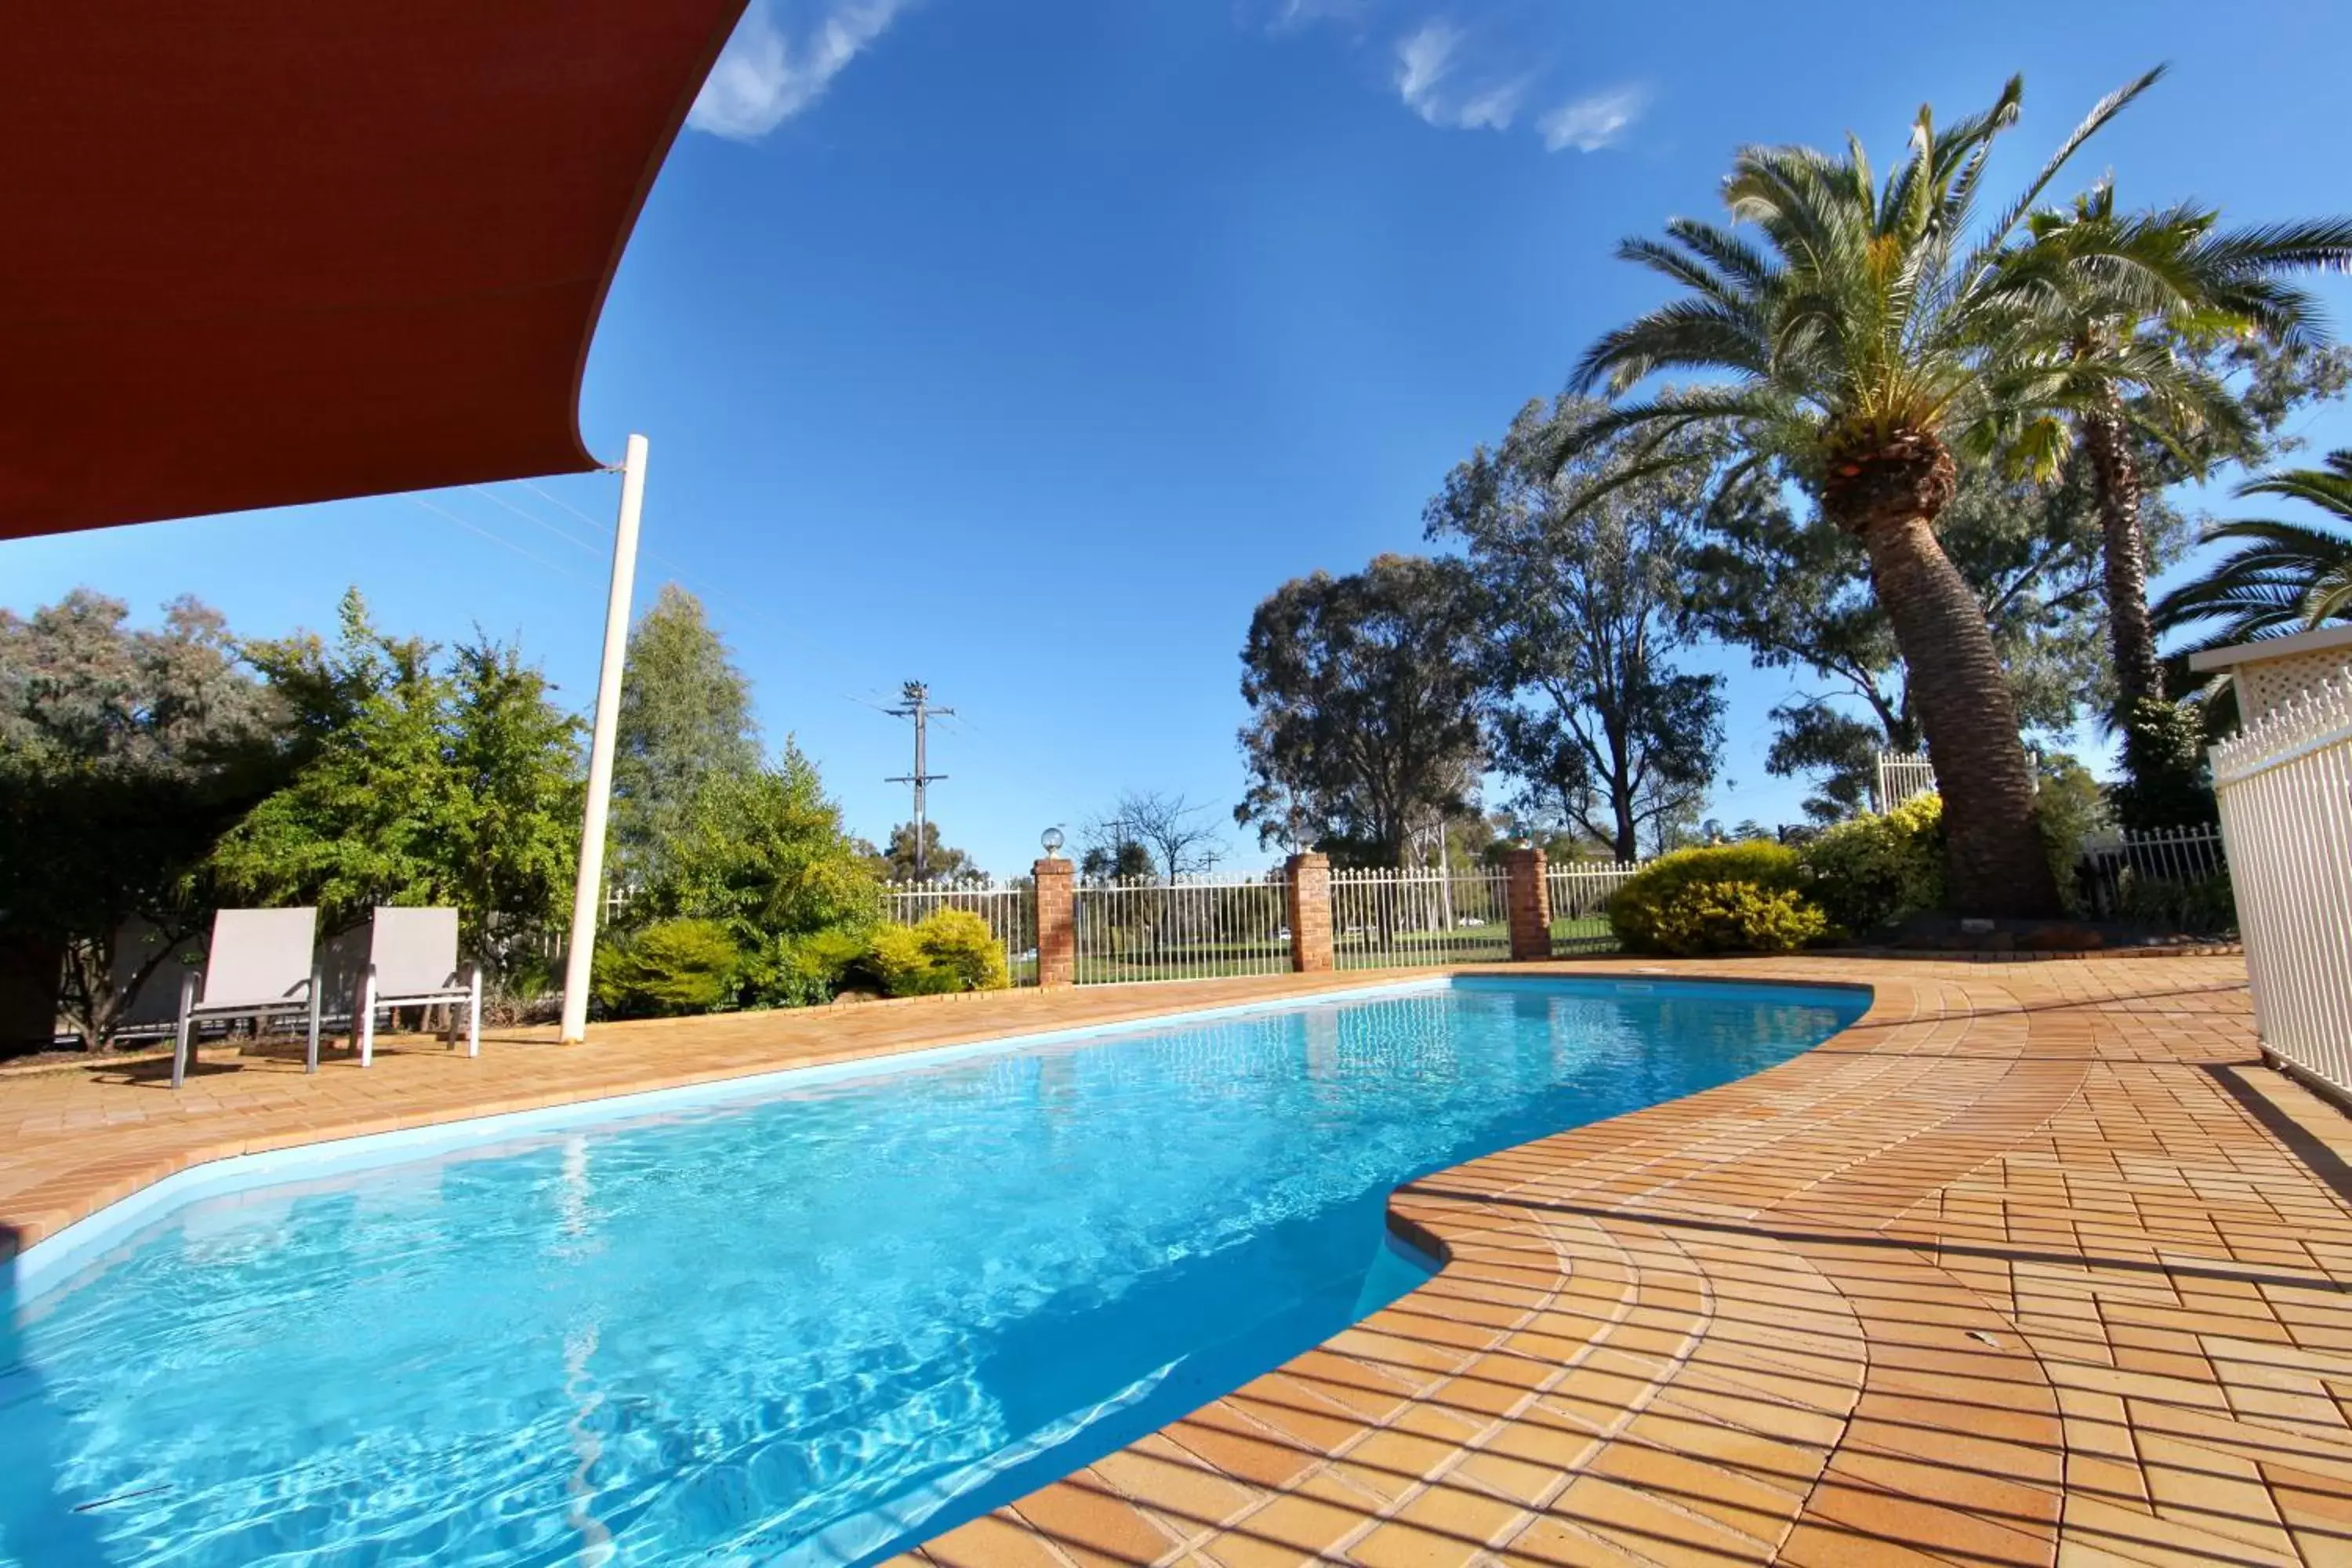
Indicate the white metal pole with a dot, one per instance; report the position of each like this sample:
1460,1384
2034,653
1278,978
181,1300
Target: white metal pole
588,895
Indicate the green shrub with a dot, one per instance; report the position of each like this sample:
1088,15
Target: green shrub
1637,907
2070,808
2207,906
668,967
1875,870
1701,917
2164,782
949,949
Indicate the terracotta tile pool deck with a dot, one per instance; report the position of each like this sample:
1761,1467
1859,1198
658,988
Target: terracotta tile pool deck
2036,1263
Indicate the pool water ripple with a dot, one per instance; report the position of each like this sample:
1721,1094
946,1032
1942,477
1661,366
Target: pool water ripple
811,1328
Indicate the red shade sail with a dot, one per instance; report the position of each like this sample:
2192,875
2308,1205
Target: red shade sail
260,252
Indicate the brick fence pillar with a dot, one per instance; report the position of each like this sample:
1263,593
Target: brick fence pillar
1057,924
1307,882
1530,905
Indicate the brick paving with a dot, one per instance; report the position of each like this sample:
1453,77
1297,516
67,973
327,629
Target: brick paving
2036,1263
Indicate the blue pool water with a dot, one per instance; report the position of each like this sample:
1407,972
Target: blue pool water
803,1327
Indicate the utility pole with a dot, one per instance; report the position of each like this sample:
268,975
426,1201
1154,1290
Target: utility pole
914,702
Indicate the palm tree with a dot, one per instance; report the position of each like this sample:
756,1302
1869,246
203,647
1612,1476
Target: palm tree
2121,291
2286,576
1866,338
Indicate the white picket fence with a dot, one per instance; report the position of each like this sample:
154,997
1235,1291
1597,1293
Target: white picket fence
1193,928
1581,891
1384,919
1902,775
1011,913
2286,788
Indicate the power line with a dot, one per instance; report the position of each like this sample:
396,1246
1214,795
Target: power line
565,534
494,538
567,505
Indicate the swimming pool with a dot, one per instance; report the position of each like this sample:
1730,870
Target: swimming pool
808,1320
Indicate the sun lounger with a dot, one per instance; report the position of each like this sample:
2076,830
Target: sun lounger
413,962
261,964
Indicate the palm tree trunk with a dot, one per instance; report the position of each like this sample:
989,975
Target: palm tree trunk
1993,859
2116,480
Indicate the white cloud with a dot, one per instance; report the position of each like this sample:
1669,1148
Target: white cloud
1425,62
764,77
1591,122
1491,110
1292,15
1422,61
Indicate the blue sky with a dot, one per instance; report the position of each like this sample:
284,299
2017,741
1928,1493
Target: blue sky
1023,347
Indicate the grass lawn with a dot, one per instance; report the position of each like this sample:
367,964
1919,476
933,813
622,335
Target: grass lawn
1360,949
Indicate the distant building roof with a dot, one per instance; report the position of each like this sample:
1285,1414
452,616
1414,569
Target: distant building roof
259,252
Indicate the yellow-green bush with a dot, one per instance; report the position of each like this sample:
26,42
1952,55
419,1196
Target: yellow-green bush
1736,917
1639,908
949,949
1875,870
670,966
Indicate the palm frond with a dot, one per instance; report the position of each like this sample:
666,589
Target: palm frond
1700,333
1741,263
1853,307
1680,263
2330,597
1660,419
2314,243
2106,110
2284,576
2328,488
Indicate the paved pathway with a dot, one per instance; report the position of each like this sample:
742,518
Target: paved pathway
2034,1264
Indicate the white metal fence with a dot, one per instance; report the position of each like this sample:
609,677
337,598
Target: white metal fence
2286,788
2120,869
1382,919
1902,775
553,942
1193,928
1011,912
1581,891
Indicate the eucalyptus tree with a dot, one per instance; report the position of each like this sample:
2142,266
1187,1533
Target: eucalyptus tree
2122,292
124,753
941,862
1588,597
2285,576
1365,694
1869,334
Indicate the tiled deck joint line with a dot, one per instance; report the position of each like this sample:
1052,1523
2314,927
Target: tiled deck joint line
2034,1264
